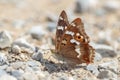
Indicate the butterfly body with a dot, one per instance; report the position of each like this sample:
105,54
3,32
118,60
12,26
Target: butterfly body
72,43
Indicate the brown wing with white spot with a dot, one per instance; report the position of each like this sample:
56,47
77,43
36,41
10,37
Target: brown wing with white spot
75,44
62,23
72,42
87,53
67,49
77,27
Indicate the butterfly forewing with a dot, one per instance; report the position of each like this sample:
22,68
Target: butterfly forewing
62,23
78,27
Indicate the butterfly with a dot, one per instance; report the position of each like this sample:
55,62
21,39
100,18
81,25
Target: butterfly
72,42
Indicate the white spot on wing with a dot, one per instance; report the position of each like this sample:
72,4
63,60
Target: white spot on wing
60,28
65,27
73,24
78,34
69,33
64,41
86,40
74,41
61,18
77,49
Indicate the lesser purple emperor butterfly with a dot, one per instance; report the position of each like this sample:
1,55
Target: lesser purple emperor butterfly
72,43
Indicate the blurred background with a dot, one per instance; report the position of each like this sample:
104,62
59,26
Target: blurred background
38,18
27,32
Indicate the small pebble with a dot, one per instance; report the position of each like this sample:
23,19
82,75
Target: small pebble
5,39
107,75
104,50
51,26
16,73
33,63
38,56
28,69
19,23
111,65
3,67
97,57
51,17
30,76
85,5
15,49
112,5
3,59
2,72
42,75
22,43
7,77
37,32
93,69
17,65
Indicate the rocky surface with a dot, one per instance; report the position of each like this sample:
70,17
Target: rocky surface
27,34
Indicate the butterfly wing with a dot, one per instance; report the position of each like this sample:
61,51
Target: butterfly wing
72,42
75,43
77,27
87,53
62,23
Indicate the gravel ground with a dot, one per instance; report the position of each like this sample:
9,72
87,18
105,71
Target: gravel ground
27,30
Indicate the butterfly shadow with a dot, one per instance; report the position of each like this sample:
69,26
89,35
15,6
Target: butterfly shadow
52,67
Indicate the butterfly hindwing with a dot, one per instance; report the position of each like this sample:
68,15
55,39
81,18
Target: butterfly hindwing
86,51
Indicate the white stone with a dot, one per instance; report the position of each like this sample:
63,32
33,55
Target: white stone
2,72
30,76
85,5
19,23
5,39
101,46
7,77
16,49
112,5
93,68
3,58
21,42
37,32
97,57
38,56
111,65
